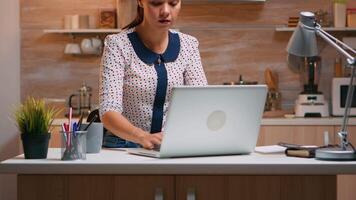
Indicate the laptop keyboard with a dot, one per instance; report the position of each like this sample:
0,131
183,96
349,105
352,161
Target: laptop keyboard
156,148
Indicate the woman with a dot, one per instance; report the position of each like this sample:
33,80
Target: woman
140,66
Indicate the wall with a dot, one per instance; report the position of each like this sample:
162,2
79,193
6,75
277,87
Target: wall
9,89
235,39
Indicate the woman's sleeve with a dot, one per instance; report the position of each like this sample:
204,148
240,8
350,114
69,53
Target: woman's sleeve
194,74
111,77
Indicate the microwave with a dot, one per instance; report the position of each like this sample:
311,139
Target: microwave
339,90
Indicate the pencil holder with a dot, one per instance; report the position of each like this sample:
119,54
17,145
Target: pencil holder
73,145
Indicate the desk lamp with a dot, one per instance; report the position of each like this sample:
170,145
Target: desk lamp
303,44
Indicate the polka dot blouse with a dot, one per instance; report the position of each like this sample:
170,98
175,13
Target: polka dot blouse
129,81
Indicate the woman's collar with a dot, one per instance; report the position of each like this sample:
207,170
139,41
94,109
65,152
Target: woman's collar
150,57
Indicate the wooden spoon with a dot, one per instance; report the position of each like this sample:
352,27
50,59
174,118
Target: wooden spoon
270,80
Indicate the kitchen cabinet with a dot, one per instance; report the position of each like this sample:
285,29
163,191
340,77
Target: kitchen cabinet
114,174
346,183
143,187
307,135
95,187
269,135
201,187
180,187
32,187
312,135
270,187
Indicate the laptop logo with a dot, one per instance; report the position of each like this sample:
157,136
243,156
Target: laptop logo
216,120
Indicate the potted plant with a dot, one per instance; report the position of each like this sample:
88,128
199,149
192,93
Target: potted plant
34,120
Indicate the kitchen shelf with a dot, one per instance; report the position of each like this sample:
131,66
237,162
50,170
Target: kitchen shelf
291,29
222,1
81,31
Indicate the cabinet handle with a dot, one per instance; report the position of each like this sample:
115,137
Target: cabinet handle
159,194
191,194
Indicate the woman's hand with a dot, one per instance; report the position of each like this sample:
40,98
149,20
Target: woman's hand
149,141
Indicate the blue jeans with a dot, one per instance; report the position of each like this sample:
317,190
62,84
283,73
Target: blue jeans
112,141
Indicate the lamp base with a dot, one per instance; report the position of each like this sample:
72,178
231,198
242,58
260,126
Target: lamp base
335,153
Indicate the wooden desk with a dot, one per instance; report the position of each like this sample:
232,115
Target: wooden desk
114,174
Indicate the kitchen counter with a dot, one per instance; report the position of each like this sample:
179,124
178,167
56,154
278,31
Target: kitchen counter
280,121
118,161
327,121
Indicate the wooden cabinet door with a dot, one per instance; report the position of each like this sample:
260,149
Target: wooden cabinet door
308,187
134,187
201,188
346,184
254,187
89,187
40,187
351,134
306,135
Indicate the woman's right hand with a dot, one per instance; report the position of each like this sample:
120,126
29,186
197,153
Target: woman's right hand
149,141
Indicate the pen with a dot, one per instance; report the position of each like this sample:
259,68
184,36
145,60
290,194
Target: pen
64,133
66,126
70,118
75,128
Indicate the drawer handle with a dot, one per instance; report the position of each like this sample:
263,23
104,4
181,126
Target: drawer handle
158,194
191,194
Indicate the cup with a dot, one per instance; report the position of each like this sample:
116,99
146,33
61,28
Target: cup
67,22
83,21
73,145
339,14
75,22
92,22
94,137
72,48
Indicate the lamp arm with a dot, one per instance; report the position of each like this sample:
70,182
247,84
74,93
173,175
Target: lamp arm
337,44
350,93
340,47
336,40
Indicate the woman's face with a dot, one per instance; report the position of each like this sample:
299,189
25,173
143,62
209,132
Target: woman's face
160,13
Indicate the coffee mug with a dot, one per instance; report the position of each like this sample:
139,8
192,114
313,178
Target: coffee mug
94,136
72,48
91,46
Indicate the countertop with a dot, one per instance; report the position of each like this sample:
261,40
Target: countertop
118,161
278,121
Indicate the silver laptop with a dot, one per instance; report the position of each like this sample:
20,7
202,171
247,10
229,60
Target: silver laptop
211,120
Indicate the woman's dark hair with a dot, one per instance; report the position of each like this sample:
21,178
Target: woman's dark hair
138,20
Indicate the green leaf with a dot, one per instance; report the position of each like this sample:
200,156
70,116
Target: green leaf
34,117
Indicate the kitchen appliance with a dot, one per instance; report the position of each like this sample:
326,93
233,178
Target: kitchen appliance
81,100
338,97
310,102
